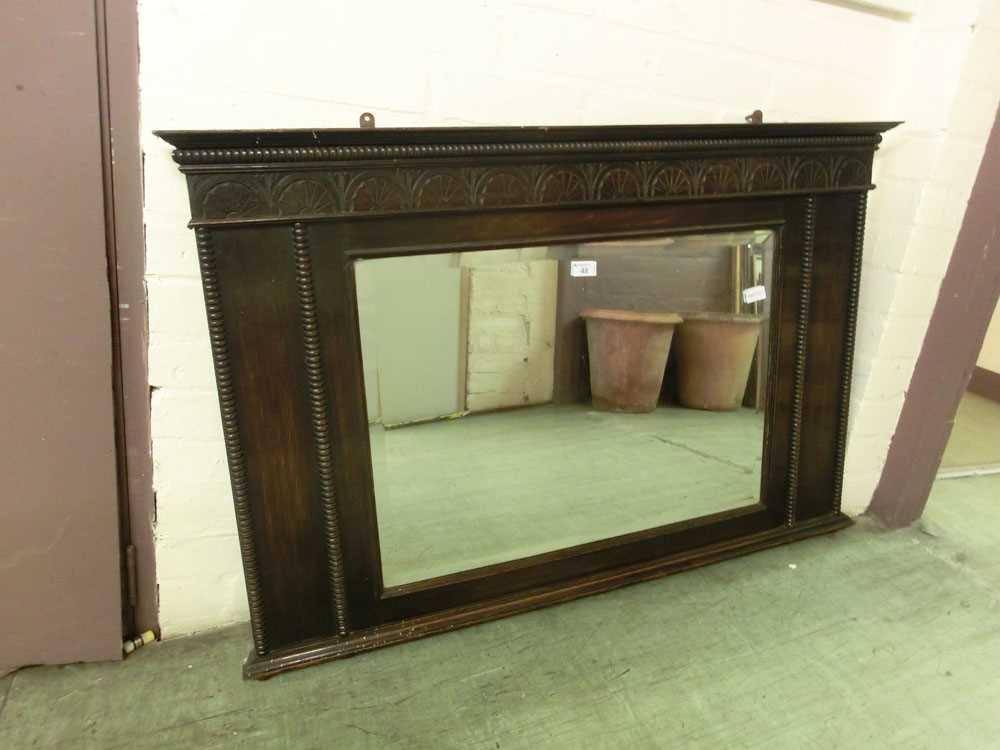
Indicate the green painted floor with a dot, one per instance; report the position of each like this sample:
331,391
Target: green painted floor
975,437
458,494
864,639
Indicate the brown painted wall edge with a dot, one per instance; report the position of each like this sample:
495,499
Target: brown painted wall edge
947,359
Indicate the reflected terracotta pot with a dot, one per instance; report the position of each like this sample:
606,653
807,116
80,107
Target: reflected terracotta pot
628,354
714,352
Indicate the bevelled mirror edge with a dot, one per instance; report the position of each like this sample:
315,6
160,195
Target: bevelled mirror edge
466,352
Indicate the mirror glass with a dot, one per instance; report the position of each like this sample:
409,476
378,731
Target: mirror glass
526,400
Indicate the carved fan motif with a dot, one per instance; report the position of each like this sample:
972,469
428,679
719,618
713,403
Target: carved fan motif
618,183
376,193
305,197
562,186
851,172
671,181
811,174
766,176
720,178
441,191
503,189
231,200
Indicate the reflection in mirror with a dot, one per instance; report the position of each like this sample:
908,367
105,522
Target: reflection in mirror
526,400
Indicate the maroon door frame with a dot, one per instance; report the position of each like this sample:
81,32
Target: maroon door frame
948,356
59,554
71,294
118,78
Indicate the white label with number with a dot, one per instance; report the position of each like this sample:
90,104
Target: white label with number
754,294
583,268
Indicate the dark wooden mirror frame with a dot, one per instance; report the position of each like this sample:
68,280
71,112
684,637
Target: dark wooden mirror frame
281,216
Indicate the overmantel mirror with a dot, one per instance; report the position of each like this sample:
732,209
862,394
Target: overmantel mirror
464,373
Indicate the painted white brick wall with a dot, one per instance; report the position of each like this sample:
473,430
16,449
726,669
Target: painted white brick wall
229,64
925,173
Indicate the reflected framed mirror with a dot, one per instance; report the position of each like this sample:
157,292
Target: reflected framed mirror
464,373
524,400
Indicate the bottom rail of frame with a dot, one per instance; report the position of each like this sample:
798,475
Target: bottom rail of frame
338,647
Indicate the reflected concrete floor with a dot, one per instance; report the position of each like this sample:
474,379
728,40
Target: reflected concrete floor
873,639
458,494
975,438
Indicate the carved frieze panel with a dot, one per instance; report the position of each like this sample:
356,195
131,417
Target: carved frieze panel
271,192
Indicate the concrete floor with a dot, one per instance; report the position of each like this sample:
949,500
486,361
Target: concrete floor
863,639
975,438
458,494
